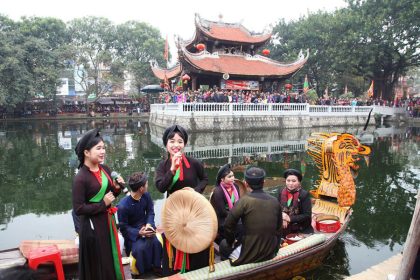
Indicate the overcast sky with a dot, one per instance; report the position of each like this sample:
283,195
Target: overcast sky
169,16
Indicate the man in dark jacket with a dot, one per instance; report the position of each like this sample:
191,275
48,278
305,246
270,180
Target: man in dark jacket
262,222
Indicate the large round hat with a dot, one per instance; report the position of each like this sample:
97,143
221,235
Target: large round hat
189,221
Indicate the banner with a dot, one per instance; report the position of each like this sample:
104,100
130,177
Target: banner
240,84
370,90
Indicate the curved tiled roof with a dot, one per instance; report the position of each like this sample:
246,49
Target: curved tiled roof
161,72
231,32
243,65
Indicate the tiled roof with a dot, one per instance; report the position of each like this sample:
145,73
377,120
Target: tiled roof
232,32
244,65
170,73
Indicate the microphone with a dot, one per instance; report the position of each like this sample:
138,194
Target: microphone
114,176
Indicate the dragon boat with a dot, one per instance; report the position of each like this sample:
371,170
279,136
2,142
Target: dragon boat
336,156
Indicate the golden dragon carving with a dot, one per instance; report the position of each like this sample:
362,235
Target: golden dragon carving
336,156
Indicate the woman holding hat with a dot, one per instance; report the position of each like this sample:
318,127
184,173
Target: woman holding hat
174,173
296,204
225,195
93,192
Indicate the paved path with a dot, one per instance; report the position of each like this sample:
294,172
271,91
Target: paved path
379,271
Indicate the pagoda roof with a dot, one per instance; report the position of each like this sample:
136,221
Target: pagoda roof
242,64
170,73
228,32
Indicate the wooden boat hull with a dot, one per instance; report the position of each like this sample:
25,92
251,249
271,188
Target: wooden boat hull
291,266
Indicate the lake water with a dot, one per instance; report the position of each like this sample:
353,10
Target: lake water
37,164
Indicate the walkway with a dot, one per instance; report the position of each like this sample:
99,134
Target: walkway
380,271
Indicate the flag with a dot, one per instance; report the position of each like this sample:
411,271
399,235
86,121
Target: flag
166,51
306,85
370,90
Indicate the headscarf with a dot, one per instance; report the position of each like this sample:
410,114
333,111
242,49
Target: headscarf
223,172
175,128
254,176
294,172
88,140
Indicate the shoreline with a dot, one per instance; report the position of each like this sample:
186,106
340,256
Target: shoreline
80,116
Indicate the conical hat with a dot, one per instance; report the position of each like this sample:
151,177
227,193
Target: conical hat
189,221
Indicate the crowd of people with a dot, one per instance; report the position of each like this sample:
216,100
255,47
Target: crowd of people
241,96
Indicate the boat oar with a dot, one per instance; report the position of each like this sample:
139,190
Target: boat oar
368,119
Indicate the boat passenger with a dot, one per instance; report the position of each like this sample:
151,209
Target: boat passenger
174,173
136,218
296,204
93,192
261,217
225,195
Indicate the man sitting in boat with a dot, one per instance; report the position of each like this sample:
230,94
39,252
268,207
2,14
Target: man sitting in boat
136,219
296,204
262,221
224,197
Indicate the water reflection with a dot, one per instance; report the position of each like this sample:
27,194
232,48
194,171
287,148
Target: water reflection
37,164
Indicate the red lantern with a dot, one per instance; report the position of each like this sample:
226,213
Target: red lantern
162,85
186,77
288,86
201,47
266,52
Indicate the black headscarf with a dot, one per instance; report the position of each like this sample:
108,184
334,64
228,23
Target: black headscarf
88,140
254,176
223,171
175,128
294,172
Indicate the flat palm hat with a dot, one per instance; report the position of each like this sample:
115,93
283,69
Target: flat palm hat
189,221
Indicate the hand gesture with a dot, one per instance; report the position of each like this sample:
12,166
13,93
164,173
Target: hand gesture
109,198
147,231
120,181
286,220
176,161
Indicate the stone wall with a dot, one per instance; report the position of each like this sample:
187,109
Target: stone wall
221,123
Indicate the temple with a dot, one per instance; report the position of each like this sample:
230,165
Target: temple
227,56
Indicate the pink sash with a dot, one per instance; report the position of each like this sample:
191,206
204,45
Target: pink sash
235,193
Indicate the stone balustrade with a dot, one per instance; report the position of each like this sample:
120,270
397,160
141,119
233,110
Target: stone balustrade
238,116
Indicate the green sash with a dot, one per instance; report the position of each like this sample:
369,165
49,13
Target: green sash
100,195
175,178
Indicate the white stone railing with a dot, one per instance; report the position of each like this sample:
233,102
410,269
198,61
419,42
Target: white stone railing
385,110
249,109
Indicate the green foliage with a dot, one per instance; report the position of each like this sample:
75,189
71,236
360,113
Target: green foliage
311,95
369,40
137,44
30,59
348,95
92,39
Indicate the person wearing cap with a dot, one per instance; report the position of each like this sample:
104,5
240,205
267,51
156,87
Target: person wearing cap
93,191
262,221
296,204
225,196
174,173
137,224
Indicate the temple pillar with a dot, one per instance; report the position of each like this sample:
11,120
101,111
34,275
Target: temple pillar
194,83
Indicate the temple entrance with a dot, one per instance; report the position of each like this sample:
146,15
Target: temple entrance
207,82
